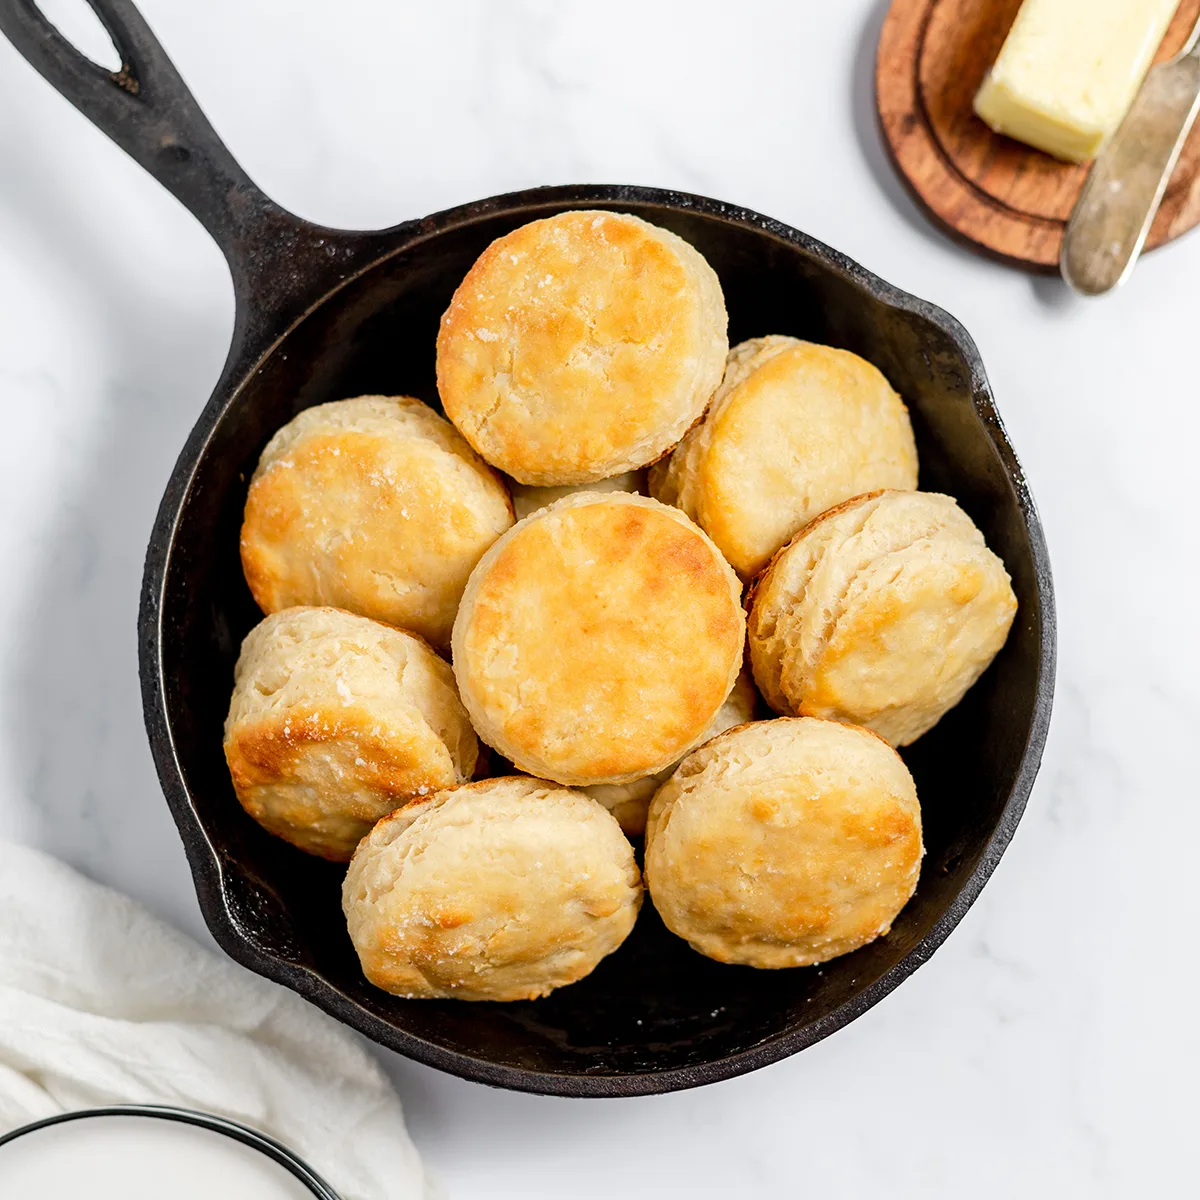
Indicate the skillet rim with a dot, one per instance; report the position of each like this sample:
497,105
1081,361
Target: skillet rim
253,342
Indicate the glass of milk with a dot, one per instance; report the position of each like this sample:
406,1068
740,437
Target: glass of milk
142,1153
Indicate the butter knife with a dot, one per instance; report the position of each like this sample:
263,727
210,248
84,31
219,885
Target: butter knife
1114,212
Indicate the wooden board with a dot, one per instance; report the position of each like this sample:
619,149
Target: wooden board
983,188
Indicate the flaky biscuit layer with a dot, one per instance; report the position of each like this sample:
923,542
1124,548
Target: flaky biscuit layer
794,429
883,611
375,505
500,890
598,639
335,721
784,843
581,346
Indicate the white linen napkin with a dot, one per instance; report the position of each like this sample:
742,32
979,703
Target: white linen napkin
101,1003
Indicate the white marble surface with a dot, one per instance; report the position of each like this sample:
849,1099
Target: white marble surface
1048,1048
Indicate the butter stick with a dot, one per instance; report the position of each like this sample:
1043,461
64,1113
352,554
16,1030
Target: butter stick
1069,70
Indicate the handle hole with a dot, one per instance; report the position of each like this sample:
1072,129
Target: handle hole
76,21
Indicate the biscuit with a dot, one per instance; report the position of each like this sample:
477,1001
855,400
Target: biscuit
883,612
629,802
374,505
581,346
499,890
784,843
527,500
794,429
598,639
337,720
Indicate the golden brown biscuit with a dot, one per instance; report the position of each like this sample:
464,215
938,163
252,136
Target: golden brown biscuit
598,639
527,500
784,843
881,612
794,429
581,346
499,890
374,505
629,802
337,720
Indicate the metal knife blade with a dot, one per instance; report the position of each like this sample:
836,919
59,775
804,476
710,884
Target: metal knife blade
1116,208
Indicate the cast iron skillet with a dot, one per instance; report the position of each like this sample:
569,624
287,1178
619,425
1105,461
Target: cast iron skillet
324,314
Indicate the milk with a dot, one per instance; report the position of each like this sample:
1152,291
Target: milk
139,1158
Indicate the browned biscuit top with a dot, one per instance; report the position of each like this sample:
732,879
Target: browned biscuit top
375,505
598,639
581,346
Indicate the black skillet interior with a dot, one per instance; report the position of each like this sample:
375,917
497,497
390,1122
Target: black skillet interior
655,1010
317,322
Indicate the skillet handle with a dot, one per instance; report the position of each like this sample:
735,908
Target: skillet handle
278,261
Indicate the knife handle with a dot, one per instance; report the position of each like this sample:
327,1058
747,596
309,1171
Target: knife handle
1125,186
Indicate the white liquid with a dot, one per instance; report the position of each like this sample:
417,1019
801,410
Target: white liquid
139,1158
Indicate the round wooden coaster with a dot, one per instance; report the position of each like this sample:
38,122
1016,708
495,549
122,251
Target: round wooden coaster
983,188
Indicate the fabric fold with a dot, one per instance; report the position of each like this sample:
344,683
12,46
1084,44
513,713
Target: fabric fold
102,1003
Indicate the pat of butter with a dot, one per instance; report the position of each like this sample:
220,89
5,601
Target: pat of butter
1069,71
